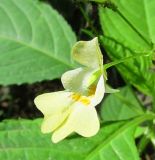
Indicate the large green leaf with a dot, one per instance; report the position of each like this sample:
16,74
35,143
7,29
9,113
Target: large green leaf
125,34
35,42
120,106
22,139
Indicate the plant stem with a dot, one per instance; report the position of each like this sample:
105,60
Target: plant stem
153,102
89,21
143,144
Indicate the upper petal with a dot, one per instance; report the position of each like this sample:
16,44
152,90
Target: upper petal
77,80
88,53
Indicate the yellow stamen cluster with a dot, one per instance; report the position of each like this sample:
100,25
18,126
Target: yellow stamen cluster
75,96
85,101
79,98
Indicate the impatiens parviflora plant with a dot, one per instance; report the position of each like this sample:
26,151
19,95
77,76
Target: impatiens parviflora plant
73,110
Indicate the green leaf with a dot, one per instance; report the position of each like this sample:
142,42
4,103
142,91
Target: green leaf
153,141
126,34
22,139
109,89
120,106
35,42
123,60
140,131
120,142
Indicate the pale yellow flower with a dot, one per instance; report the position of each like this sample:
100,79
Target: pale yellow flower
73,110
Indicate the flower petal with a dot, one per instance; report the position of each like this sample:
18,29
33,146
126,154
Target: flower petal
88,53
82,120
50,123
52,103
77,80
100,90
62,132
85,120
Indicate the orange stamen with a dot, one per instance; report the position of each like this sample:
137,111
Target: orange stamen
91,90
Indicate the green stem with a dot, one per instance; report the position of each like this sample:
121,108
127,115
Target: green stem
88,20
130,24
153,102
108,65
143,144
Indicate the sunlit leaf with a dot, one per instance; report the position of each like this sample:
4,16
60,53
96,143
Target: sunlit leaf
120,106
35,42
126,34
22,139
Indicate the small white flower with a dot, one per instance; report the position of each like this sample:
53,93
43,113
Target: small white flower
73,110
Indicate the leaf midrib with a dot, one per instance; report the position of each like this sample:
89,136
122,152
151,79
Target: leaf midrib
48,54
132,25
